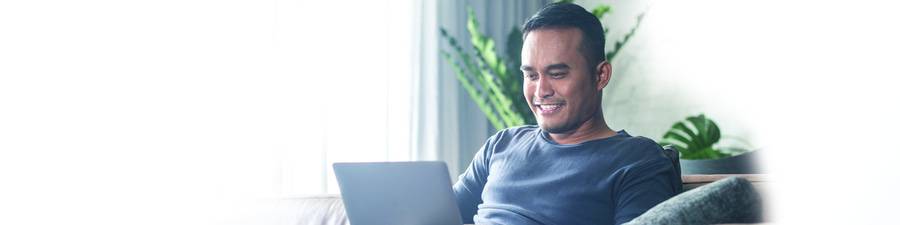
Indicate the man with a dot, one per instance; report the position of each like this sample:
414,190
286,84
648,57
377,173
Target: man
571,168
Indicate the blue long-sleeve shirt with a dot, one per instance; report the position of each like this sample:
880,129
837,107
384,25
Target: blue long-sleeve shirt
521,177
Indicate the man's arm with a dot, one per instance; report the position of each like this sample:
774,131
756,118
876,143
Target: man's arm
643,186
470,184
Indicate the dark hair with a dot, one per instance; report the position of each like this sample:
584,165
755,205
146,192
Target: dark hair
568,15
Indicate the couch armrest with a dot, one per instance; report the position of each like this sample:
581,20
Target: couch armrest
317,210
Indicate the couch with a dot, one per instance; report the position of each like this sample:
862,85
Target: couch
329,209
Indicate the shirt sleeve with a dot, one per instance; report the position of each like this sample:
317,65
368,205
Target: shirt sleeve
643,186
470,184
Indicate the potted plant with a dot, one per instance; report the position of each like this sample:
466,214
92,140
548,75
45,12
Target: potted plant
697,140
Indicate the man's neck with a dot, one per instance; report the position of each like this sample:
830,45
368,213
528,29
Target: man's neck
592,129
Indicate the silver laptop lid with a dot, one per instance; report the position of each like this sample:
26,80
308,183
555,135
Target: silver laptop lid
397,193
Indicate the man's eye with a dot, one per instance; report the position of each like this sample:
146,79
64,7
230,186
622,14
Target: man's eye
557,75
531,76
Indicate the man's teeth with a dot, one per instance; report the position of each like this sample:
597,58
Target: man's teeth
549,107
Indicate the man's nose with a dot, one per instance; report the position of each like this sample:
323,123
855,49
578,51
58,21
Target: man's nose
544,89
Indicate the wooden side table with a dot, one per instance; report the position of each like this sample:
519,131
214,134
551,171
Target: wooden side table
696,180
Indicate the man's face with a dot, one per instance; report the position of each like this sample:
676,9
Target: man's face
558,84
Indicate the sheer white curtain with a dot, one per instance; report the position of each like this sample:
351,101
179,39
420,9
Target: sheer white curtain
357,61
179,112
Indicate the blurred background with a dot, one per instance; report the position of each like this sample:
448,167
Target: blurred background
203,112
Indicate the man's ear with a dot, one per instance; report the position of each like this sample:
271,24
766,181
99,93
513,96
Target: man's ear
604,73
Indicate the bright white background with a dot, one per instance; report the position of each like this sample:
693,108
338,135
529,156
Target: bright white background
819,79
193,112
182,112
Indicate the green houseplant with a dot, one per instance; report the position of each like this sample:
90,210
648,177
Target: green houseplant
493,81
697,140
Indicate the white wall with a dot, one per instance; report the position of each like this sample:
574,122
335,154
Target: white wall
659,77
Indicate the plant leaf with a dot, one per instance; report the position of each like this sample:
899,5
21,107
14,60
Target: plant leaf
682,127
617,47
700,123
682,141
698,142
473,92
514,46
601,10
513,83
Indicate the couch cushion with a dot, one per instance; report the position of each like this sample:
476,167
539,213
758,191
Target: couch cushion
318,210
730,200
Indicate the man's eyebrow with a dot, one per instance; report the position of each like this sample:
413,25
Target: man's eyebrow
558,66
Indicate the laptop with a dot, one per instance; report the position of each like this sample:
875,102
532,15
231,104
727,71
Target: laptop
397,193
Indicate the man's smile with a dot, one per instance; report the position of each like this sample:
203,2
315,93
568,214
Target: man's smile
547,109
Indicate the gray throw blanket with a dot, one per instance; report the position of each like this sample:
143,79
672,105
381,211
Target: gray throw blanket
730,200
